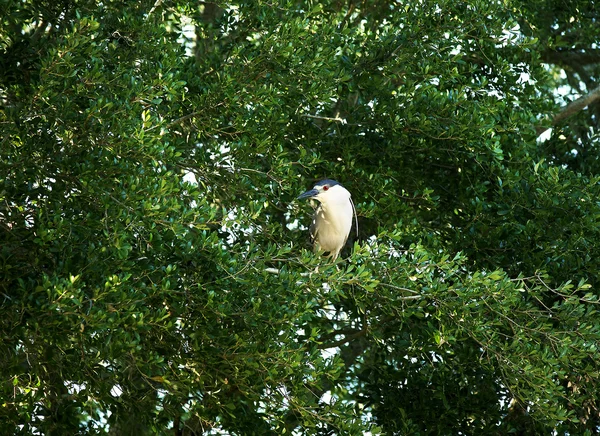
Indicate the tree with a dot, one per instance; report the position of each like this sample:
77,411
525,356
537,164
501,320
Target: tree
150,156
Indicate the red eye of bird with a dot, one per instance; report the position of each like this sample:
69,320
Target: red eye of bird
325,188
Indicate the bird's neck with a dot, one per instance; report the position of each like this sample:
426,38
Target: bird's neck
331,210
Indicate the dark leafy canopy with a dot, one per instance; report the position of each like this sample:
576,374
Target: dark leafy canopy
136,299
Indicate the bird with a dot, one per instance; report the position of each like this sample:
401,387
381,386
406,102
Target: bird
332,221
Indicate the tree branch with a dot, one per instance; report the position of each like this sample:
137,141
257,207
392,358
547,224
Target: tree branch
570,57
349,337
317,117
572,108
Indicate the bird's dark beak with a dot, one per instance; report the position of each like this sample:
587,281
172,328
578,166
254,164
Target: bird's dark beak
309,194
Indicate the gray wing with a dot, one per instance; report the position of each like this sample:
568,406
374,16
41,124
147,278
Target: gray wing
313,226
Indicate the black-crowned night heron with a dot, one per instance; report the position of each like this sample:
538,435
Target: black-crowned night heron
332,220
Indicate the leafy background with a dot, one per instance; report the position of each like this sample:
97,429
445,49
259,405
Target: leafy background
150,157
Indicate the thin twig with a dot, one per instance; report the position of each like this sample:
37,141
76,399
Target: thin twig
337,119
399,288
157,4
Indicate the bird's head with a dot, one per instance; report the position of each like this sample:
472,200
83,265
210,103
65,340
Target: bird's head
327,191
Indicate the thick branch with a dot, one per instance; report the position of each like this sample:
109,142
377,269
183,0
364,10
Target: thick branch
577,105
349,337
570,57
572,108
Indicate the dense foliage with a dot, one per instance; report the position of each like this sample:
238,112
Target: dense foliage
155,273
